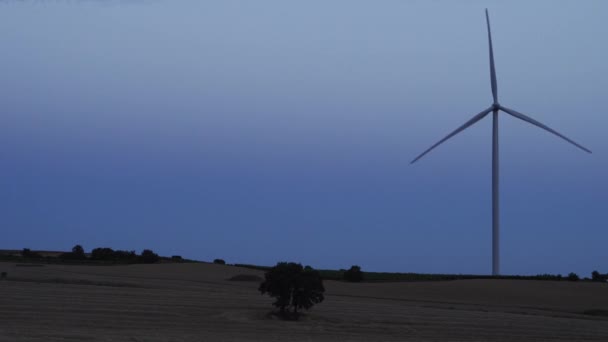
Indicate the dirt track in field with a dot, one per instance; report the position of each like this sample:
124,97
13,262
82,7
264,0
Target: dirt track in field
196,302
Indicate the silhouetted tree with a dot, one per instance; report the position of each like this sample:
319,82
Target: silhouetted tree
293,286
597,276
354,274
108,254
129,256
77,253
219,261
102,253
149,257
573,276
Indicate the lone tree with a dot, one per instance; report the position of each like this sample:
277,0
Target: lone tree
573,277
293,286
77,253
354,274
149,257
597,276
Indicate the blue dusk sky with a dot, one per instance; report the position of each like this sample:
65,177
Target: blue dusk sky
264,131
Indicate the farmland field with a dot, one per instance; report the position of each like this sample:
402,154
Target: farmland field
197,302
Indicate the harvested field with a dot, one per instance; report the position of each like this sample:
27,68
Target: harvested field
198,302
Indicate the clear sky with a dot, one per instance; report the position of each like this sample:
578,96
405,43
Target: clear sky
277,130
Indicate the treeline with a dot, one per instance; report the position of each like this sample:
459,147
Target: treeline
101,255
355,274
106,254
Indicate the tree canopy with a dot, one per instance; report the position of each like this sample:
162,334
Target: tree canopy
354,274
293,286
149,257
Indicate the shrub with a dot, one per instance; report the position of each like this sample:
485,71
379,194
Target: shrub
148,257
546,277
77,253
293,286
102,254
176,258
573,276
27,253
108,254
597,276
354,274
128,256
219,261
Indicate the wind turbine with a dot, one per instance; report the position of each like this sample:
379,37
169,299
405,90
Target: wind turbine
494,109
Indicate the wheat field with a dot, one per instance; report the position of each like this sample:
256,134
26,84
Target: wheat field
197,302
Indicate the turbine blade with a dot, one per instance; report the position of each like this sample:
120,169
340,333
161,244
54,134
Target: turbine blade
492,69
538,124
458,130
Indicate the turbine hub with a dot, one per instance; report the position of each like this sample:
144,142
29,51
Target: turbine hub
496,106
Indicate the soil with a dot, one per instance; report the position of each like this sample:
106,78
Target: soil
198,302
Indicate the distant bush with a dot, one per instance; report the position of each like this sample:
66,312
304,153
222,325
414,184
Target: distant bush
597,276
293,286
149,257
108,254
102,253
27,253
176,258
77,253
219,261
546,277
573,276
413,277
3,275
128,256
354,274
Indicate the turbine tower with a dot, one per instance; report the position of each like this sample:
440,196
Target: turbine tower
495,108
